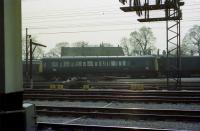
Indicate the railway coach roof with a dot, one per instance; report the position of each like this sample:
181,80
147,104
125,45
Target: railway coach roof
100,57
181,57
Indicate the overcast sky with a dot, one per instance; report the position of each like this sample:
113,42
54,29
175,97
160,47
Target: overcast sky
94,21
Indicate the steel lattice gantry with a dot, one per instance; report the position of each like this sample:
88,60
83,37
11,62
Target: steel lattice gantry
173,48
172,16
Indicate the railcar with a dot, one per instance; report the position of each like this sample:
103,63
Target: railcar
65,67
97,66
190,65
36,70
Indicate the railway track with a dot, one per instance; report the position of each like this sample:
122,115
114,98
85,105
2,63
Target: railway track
123,96
120,113
112,92
82,127
80,115
114,85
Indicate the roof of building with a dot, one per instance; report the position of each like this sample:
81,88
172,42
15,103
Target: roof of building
92,51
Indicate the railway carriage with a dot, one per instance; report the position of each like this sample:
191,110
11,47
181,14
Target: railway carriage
82,66
93,67
190,65
36,69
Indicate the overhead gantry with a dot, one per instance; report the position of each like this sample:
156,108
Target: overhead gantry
172,16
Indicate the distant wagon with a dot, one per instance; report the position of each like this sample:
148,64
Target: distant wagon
190,65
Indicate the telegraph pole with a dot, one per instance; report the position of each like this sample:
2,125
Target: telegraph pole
26,68
30,68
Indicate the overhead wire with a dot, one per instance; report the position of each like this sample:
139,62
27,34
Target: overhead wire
87,14
96,25
81,12
93,12
89,31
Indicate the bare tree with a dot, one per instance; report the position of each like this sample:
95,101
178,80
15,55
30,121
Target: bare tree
56,51
140,42
192,39
125,44
106,45
143,41
80,44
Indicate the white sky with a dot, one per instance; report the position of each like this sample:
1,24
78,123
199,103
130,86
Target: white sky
94,21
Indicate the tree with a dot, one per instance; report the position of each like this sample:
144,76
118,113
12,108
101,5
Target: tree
192,40
80,44
106,45
187,49
38,52
125,44
56,51
140,42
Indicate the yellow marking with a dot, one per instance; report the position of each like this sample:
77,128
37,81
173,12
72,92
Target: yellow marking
52,86
86,87
137,87
60,86
56,86
40,68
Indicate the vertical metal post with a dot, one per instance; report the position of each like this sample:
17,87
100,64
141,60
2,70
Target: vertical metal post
167,60
178,55
173,64
167,13
31,56
26,68
180,65
130,3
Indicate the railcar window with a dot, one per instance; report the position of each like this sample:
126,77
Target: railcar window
124,63
109,63
100,63
113,63
66,64
90,63
78,63
104,63
54,64
84,64
96,63
45,65
120,63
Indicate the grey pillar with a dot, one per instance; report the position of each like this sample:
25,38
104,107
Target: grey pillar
11,90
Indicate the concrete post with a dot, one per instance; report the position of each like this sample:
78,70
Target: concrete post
11,89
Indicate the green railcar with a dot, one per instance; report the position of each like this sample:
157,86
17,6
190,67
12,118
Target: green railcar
190,66
65,67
